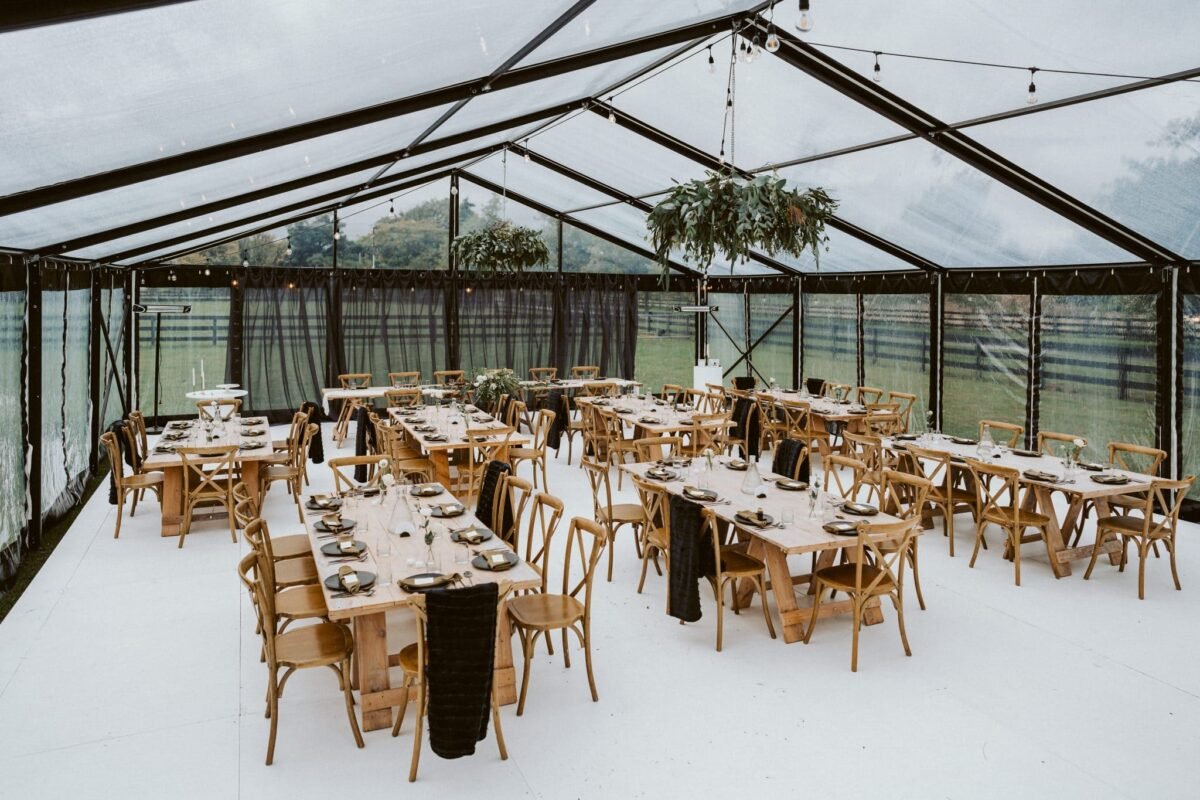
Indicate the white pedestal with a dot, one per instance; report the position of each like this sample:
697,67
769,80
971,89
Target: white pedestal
702,374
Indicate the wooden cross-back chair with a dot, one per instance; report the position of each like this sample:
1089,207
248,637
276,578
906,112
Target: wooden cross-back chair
846,486
946,494
1054,444
413,660
617,446
282,573
905,495
484,445
655,448
445,376
342,468
869,450
879,556
585,373
1154,519
402,398
137,420
291,473
323,644
1132,458
732,565
536,615
772,425
545,512
905,403
536,453
1001,502
245,509
401,379
670,392
226,408
868,394
656,527
543,373
613,516
573,428
600,389
1013,434
127,484
512,494
208,476
707,432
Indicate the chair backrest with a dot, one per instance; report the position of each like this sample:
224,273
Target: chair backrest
933,466
543,373
580,530
596,433
868,394
355,380
1167,497
883,424
225,407
600,389
838,391
398,379
769,412
299,451
514,412
718,396
1135,457
866,448
545,512
670,391
585,372
655,502
108,440
904,495
884,546
248,574
1014,432
1055,444
343,472
138,420
597,475
709,431
996,491
540,426
208,470
905,401
815,386
245,509
258,535
652,448
443,376
402,398
794,415
513,494
846,486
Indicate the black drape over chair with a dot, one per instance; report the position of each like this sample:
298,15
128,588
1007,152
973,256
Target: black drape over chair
461,634
691,559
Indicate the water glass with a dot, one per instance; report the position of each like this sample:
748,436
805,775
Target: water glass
383,557
787,514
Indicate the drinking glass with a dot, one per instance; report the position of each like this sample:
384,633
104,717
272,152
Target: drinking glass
383,557
787,514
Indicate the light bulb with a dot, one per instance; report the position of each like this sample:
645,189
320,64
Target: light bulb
337,235
805,24
1031,98
612,117
288,252
245,262
755,49
772,43
712,64
391,208
526,156
878,76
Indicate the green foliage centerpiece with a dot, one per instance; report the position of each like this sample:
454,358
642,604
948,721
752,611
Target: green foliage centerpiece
491,384
501,247
732,216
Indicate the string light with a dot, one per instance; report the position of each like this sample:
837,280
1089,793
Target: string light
878,76
712,63
288,252
755,49
805,24
245,262
527,159
1032,98
612,115
392,207
772,39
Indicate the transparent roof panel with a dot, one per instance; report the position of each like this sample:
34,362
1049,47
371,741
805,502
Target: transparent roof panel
1109,36
538,183
208,72
104,210
1136,157
780,113
406,164
610,21
590,144
844,253
935,205
576,85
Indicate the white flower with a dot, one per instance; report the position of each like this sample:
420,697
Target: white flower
388,479
1080,443
383,464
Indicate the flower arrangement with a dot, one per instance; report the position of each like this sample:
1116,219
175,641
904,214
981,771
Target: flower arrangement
501,247
490,385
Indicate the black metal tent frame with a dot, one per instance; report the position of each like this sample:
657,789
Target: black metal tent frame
1159,270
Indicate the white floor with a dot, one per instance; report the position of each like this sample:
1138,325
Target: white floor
130,669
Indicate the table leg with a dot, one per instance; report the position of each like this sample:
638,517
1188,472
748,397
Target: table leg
252,477
371,670
441,467
1054,533
172,501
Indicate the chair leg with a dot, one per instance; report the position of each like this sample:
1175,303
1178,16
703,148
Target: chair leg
230,516
978,541
612,545
496,726
949,527
133,506
1170,545
273,712
898,602
1143,554
1015,538
420,726
762,594
645,564
120,510
812,621
587,657
527,653
1100,537
718,586
566,649
186,525
912,558
403,705
856,608
343,678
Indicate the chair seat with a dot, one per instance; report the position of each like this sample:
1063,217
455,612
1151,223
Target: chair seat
293,546
545,610
736,563
408,659
623,513
524,452
301,602
660,538
295,571
313,645
1002,515
282,472
1123,523
842,578
957,495
142,480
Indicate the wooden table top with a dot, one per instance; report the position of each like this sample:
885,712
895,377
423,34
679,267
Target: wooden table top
195,438
446,421
805,535
639,411
577,383
372,516
821,406
1082,487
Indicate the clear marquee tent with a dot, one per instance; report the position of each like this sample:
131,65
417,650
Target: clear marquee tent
294,170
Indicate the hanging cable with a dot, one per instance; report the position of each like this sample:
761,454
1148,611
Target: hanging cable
728,121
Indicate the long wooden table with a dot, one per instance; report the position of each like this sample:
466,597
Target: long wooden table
1078,492
368,614
638,412
454,427
824,411
249,463
773,545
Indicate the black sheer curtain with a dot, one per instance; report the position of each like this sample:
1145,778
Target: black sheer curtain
599,323
285,333
507,321
393,321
